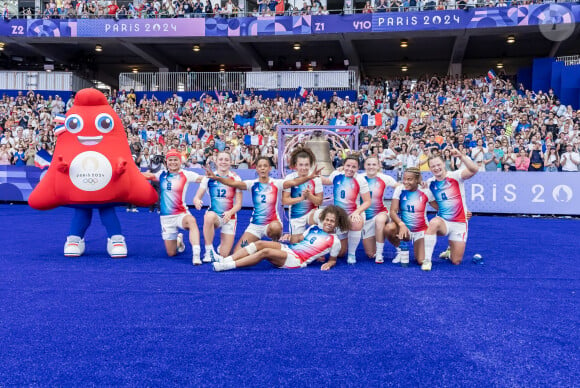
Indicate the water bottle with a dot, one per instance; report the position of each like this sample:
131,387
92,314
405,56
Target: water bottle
477,259
404,246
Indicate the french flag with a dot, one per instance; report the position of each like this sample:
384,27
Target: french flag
59,119
204,136
490,76
253,139
303,93
42,159
369,120
59,124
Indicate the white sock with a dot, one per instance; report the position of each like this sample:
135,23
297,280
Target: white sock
208,249
430,240
226,259
251,248
196,250
380,248
353,241
229,265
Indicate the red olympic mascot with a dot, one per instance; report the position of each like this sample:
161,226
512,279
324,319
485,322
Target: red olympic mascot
92,167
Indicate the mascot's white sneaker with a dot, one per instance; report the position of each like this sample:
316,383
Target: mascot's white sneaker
74,246
116,246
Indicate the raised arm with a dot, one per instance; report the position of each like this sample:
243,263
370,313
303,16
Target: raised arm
149,176
300,180
226,181
470,167
325,181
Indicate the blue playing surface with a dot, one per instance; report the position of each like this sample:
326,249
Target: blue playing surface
148,320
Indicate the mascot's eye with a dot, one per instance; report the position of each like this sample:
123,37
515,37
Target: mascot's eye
104,123
74,123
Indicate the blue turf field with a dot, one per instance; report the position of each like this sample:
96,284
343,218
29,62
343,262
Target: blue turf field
153,321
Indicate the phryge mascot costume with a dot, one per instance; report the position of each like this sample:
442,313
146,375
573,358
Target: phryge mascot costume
92,168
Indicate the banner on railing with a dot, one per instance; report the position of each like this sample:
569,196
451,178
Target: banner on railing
473,18
488,192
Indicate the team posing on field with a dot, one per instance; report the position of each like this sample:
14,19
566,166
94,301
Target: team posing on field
358,211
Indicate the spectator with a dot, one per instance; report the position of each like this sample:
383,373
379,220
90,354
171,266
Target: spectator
552,160
5,155
536,157
570,159
368,8
490,159
522,161
30,154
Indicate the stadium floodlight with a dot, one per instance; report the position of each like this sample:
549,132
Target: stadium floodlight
135,70
297,46
346,62
196,48
404,68
404,43
98,48
499,65
511,39
2,45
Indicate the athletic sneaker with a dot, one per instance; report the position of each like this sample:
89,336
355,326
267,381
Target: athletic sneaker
207,258
74,246
426,266
379,260
116,246
446,254
218,267
215,256
196,260
397,258
351,259
180,243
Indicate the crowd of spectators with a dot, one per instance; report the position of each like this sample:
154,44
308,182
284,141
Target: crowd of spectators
70,9
374,6
501,126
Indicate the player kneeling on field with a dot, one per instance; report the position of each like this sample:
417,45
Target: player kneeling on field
409,215
318,241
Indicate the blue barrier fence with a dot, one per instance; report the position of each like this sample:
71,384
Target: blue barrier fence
471,18
489,192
